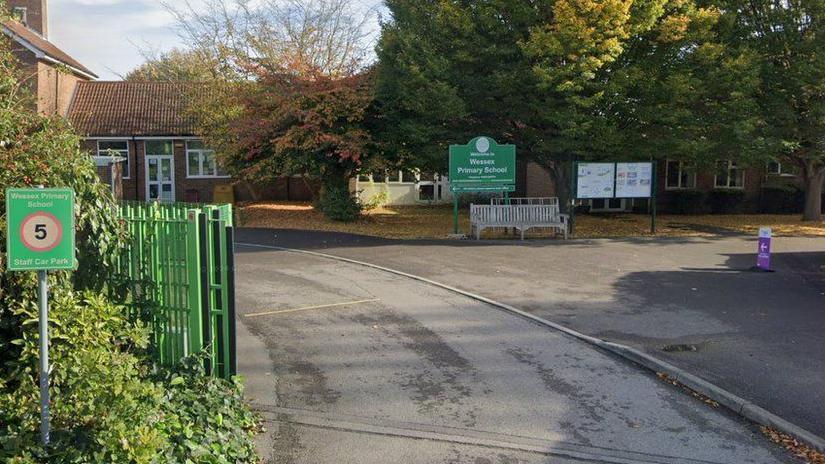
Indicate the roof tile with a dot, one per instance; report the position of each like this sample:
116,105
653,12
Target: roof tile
127,108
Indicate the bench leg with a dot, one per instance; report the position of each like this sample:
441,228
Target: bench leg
522,234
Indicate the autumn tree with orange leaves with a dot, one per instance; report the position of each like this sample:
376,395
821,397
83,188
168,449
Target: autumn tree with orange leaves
292,92
293,125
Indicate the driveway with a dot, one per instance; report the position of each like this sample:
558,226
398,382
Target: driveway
354,365
692,302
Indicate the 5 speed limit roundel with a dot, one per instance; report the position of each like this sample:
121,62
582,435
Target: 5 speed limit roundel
41,231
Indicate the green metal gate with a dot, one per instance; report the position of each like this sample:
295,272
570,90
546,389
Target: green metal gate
179,270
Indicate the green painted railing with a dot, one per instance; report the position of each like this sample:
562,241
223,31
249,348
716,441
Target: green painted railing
179,270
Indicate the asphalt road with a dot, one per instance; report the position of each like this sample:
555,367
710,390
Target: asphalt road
692,302
352,365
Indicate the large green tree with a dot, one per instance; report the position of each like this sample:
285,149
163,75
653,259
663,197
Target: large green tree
542,75
786,42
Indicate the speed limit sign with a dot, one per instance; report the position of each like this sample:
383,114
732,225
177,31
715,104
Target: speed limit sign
40,231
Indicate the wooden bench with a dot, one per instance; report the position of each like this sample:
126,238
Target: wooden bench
521,217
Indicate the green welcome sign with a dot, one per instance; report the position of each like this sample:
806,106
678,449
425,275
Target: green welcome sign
40,229
482,165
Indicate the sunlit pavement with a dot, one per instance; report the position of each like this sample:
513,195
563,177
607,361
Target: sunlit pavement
351,365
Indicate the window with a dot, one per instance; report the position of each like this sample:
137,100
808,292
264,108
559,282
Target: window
729,175
21,14
201,162
402,177
160,148
116,148
680,176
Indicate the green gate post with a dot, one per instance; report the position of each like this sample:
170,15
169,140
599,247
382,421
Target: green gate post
230,294
193,259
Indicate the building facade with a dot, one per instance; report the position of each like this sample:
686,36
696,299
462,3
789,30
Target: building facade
49,72
144,127
681,188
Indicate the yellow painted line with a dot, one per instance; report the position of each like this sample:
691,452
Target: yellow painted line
308,308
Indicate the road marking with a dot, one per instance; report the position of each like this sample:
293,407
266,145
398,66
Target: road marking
308,308
550,445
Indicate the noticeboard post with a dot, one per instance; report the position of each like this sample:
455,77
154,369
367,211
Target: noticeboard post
40,237
482,165
628,180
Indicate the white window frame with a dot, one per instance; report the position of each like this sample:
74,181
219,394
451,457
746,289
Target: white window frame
201,152
398,177
730,167
682,169
779,173
127,174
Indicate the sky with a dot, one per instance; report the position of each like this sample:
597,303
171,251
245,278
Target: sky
107,35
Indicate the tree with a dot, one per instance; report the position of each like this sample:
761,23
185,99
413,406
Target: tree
284,125
541,75
670,90
787,43
305,37
175,65
295,93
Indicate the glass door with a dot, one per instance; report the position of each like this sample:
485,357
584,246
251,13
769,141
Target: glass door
160,178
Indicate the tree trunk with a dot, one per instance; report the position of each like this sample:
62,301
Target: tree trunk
813,196
561,179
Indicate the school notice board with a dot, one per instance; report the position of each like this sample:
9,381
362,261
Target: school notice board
614,180
634,180
595,180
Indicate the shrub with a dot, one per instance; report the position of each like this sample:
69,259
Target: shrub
726,201
205,417
781,199
377,200
102,405
686,201
109,403
337,203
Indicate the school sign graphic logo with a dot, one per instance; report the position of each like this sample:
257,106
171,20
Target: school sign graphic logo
482,165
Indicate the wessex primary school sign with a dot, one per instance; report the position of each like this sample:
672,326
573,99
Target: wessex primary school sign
482,165
40,229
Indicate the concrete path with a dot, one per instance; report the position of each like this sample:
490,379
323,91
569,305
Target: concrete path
351,365
691,302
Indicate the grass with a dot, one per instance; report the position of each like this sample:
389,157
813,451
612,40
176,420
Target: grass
427,222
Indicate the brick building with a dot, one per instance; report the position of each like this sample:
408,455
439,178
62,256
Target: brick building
145,124
51,73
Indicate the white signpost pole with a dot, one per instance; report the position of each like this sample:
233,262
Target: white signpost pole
43,306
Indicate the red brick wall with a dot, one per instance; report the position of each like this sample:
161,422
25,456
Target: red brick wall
134,182
54,89
754,178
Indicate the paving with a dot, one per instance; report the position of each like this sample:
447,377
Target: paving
690,301
354,365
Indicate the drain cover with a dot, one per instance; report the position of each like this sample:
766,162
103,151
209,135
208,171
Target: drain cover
679,348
